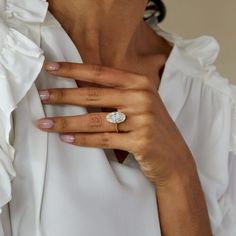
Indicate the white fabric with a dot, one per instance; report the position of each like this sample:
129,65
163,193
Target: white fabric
51,188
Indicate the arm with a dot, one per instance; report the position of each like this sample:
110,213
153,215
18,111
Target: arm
182,207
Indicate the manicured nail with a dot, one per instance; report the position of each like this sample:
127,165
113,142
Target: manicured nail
45,124
44,95
51,66
67,138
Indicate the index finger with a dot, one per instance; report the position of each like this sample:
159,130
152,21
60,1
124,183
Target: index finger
97,74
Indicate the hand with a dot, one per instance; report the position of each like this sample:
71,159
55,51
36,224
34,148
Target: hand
148,132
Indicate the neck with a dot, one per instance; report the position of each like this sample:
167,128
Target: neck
107,32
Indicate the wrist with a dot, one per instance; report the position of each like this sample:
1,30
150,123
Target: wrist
181,204
181,174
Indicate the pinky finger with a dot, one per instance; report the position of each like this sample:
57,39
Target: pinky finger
101,140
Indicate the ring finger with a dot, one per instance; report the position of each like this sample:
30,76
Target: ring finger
92,122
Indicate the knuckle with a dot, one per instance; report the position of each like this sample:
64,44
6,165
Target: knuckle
150,119
63,124
68,66
144,80
71,69
148,83
94,94
146,99
146,120
95,120
129,93
105,140
98,70
58,95
81,140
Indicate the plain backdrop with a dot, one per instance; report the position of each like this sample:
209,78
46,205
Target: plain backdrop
193,18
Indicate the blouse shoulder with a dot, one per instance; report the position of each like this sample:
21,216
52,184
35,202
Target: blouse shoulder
212,100
203,105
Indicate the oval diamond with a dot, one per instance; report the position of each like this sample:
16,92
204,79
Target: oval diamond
116,117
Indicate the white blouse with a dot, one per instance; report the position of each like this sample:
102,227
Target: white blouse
51,188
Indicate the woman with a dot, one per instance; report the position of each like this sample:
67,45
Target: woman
163,170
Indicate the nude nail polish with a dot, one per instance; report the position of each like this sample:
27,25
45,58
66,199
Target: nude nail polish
45,124
44,95
67,138
52,66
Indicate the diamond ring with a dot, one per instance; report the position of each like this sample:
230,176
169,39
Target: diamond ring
116,118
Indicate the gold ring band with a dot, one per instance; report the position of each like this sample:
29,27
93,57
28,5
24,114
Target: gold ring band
117,130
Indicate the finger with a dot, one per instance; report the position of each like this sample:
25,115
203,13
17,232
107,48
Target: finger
91,96
92,122
130,101
102,140
99,75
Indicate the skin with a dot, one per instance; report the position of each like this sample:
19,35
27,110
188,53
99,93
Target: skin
126,65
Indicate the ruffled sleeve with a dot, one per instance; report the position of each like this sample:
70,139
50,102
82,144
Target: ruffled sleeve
212,140
204,110
213,135
20,63
222,203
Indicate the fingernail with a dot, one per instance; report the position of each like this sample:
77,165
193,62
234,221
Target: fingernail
44,95
51,66
45,124
67,138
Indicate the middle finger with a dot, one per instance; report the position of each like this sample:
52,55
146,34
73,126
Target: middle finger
88,96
